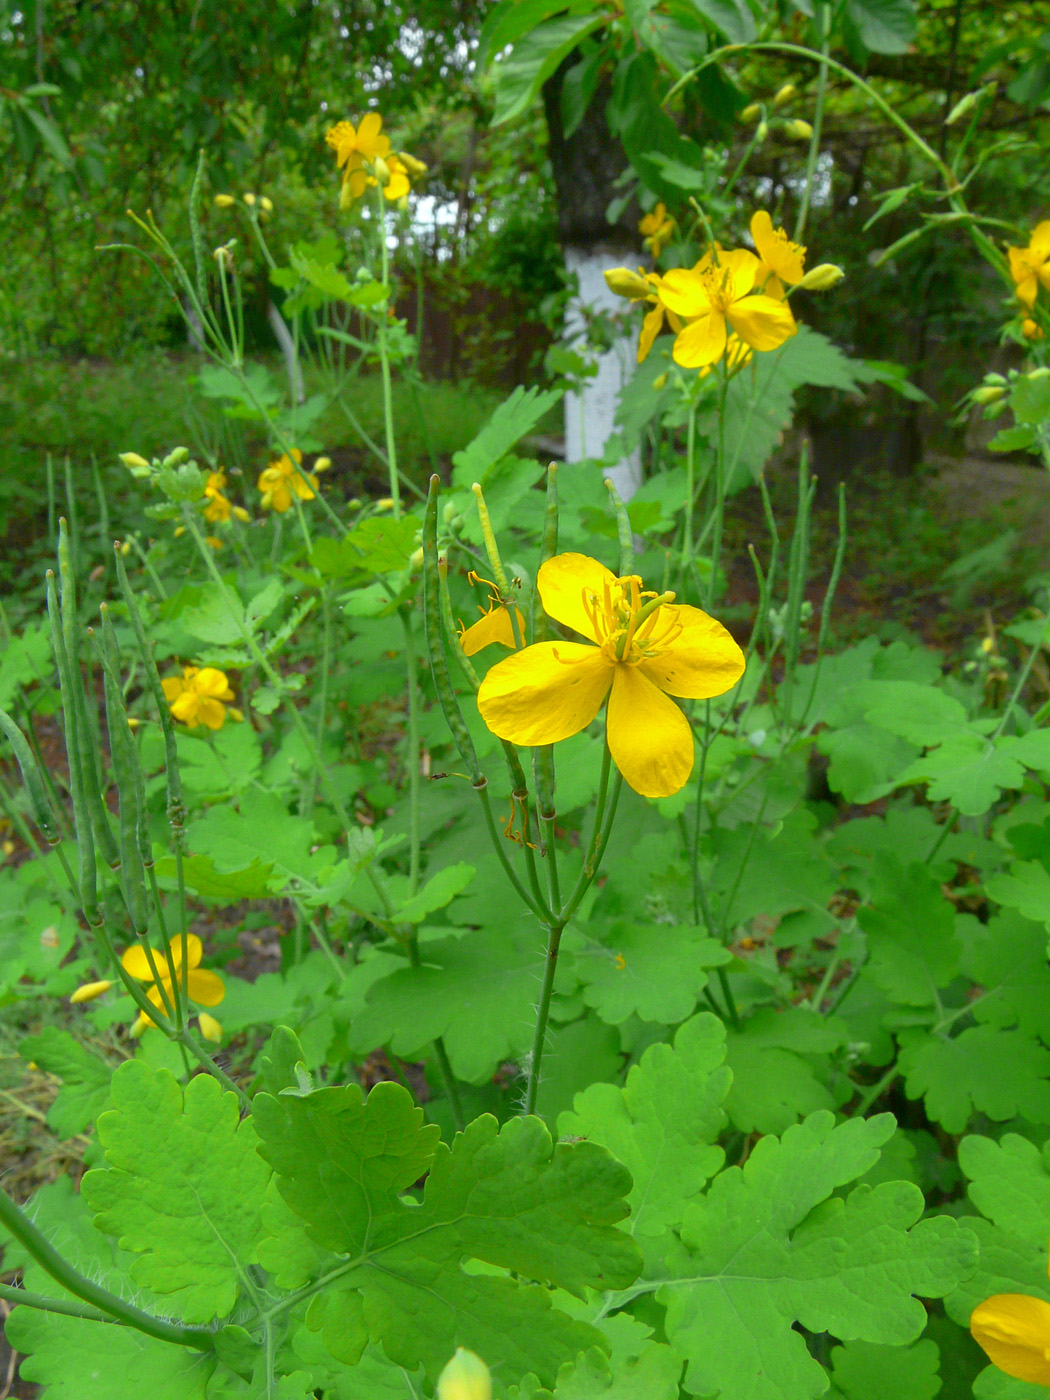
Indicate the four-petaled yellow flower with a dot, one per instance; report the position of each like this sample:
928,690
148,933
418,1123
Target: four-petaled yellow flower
203,987
1014,1329
282,480
219,508
1030,266
716,296
658,230
199,696
646,649
355,145
781,260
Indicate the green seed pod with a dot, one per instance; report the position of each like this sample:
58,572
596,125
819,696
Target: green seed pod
31,777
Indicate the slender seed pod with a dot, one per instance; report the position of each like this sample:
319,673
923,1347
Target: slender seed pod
129,780
623,530
87,878
543,756
87,726
435,647
32,778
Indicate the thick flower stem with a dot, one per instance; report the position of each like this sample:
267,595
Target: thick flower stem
47,1256
550,967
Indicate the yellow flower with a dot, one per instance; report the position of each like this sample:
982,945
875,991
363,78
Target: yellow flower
495,624
415,168
643,286
1014,1329
1030,266
646,649
199,696
1030,330
354,145
658,228
202,986
717,295
466,1377
282,479
782,260
219,508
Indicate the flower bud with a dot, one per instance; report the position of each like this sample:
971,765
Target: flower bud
224,201
822,277
89,991
176,457
466,1377
761,132
988,393
322,464
660,380
1040,373
132,460
224,258
382,170
784,95
266,204
626,283
415,168
210,1028
385,503
799,129
415,560
964,105
249,199
750,112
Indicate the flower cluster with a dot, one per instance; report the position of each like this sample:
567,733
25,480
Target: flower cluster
729,303
364,156
1030,269
643,649
220,507
159,968
284,479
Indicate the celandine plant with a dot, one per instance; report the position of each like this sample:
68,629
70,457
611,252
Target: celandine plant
564,1080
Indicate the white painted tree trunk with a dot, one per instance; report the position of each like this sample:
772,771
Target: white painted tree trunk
589,415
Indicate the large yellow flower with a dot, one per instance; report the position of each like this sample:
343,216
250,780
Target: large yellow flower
283,479
646,649
355,145
203,987
717,296
1014,1329
199,696
1030,266
782,260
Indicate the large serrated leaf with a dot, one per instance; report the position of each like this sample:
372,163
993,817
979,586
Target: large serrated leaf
515,417
184,1188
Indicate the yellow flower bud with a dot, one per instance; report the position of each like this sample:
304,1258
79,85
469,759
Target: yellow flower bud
799,129
466,1377
210,1028
132,460
415,561
223,257
382,170
660,380
89,991
224,201
322,464
750,112
385,503
822,277
249,199
266,204
964,105
626,283
1040,373
415,168
784,95
761,132
988,393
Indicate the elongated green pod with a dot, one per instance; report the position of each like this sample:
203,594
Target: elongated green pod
196,235
623,530
129,780
87,877
32,778
87,725
435,646
176,806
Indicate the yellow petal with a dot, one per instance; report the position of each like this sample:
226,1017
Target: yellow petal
211,713
739,269
684,291
194,950
204,987
651,327
172,687
702,342
211,681
1040,239
369,141
135,963
545,693
185,707
1014,1330
703,660
495,626
649,737
762,322
565,581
